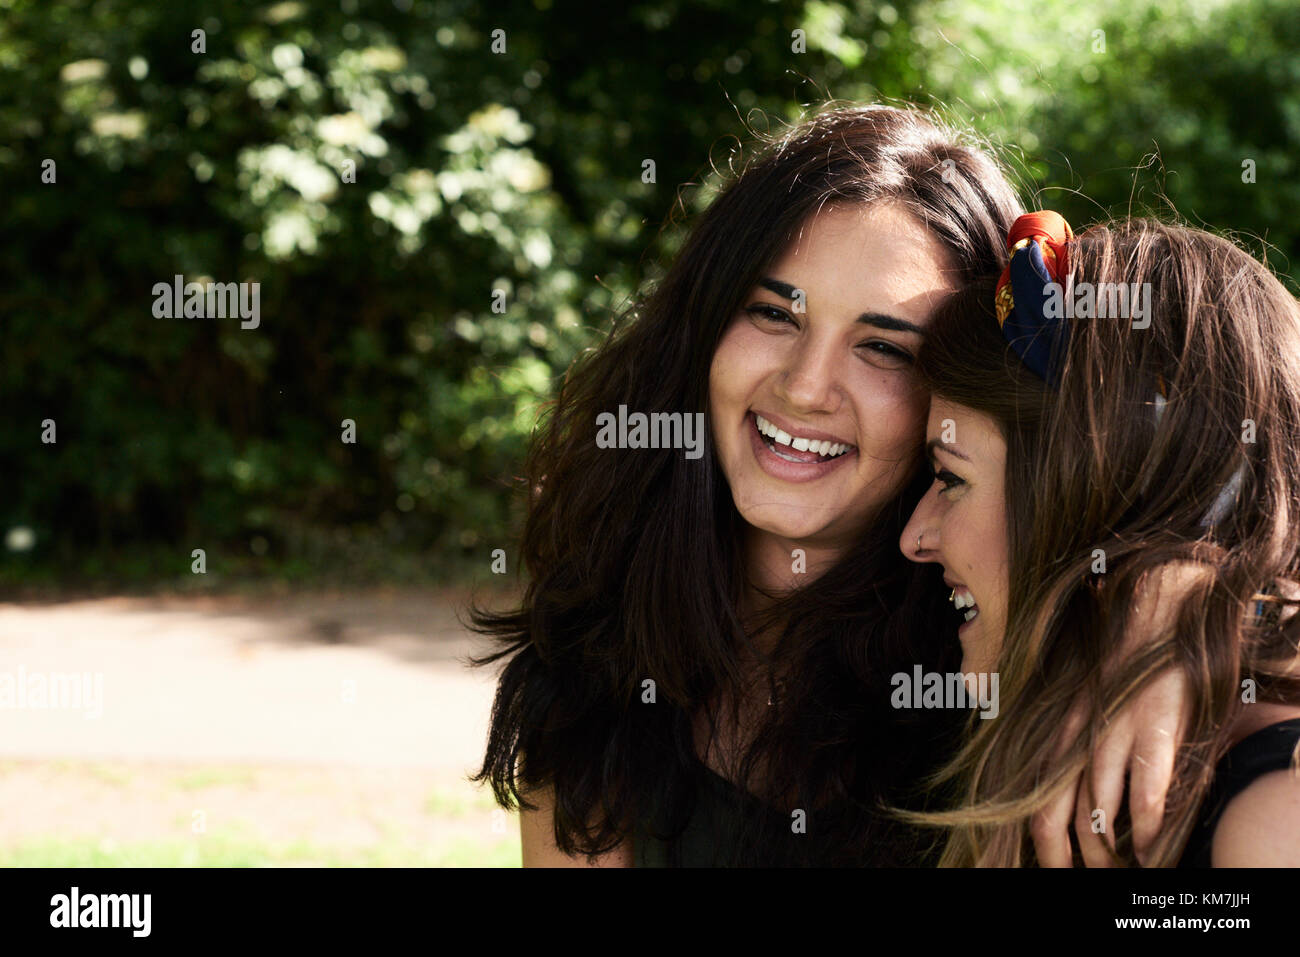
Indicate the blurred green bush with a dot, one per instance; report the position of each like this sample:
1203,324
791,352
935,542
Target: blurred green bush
476,172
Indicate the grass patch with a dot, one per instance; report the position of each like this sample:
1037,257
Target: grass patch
216,777
446,802
110,774
213,851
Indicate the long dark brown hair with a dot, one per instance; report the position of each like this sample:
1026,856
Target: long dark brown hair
634,560
1094,470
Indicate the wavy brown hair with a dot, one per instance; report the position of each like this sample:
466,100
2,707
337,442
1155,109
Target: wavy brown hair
1093,466
634,558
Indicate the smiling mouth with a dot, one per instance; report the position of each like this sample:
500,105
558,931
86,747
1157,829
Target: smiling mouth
798,449
963,602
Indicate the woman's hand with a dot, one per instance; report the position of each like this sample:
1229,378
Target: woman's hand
1142,742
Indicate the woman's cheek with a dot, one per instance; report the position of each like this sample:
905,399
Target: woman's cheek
896,414
734,377
725,374
734,356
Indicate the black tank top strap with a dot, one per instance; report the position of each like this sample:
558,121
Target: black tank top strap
1268,749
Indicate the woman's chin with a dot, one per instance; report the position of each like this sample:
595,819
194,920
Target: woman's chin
793,523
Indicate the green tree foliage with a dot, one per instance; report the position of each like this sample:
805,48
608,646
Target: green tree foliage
515,175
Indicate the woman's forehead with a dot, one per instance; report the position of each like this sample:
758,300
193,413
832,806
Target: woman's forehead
880,253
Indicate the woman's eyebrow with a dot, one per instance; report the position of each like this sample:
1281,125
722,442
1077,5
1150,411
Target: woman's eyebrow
880,320
783,289
941,444
890,322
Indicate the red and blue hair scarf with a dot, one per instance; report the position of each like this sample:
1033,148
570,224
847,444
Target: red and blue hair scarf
1039,244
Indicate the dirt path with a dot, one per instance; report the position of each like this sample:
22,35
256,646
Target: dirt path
309,729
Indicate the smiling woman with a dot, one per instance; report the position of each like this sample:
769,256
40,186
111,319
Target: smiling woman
791,317
968,503
1139,480
838,370
701,669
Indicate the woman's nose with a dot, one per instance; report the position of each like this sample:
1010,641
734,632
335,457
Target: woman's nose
920,536
809,381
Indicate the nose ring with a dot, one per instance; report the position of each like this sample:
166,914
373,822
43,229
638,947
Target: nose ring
918,542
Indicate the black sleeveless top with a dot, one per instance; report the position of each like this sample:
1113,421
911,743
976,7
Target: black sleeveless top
714,826
726,818
1268,749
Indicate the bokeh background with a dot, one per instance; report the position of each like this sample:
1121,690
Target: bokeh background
389,172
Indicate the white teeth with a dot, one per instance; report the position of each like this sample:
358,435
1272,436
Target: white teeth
971,613
962,598
798,443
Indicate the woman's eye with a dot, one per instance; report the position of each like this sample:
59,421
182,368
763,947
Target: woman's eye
770,313
949,480
887,350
